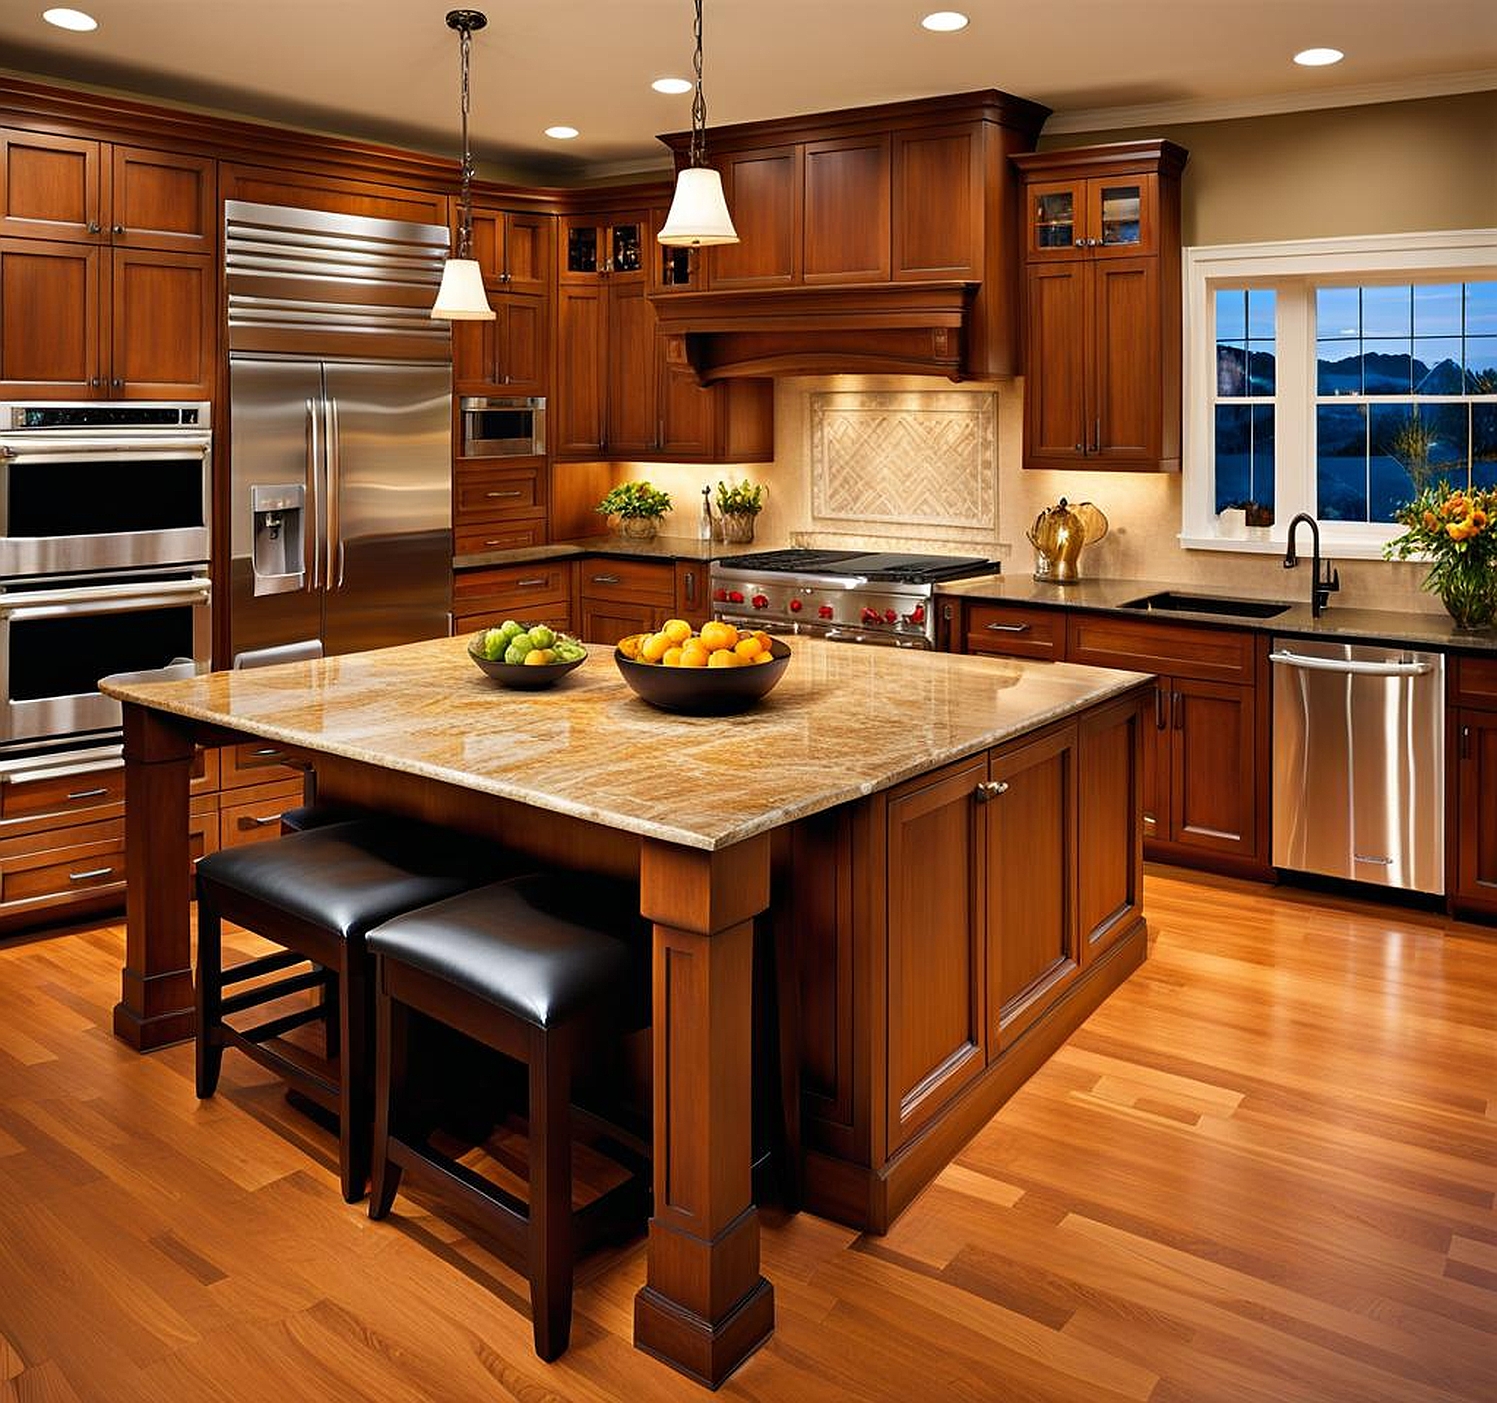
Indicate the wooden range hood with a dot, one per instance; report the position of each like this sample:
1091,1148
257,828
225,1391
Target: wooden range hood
847,328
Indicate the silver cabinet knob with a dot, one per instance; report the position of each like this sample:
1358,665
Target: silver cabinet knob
991,789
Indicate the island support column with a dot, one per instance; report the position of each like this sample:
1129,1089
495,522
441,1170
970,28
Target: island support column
704,1306
155,1006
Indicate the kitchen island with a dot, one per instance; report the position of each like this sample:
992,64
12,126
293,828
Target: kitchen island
949,847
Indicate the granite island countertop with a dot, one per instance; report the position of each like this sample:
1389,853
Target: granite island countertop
1340,620
843,723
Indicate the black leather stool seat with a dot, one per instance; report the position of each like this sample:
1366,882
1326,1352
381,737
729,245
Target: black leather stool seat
306,816
511,945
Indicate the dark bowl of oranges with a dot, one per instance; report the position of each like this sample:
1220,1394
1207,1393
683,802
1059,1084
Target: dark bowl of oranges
716,672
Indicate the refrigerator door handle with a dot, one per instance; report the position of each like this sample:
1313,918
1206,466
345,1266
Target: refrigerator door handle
314,490
334,492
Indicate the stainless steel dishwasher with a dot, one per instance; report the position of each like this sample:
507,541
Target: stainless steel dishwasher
1359,762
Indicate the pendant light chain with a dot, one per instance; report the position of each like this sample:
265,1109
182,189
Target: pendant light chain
465,201
699,101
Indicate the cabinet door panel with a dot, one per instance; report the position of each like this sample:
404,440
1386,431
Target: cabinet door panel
1212,767
529,241
847,210
1031,883
607,623
524,345
633,410
580,331
164,200
938,203
49,319
1109,796
690,413
935,945
693,600
162,325
1055,409
1126,411
1156,770
49,186
1475,835
475,359
1055,220
1120,215
763,190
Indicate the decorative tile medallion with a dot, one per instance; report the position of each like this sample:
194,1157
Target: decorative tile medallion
919,459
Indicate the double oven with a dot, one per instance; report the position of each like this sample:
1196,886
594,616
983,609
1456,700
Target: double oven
104,545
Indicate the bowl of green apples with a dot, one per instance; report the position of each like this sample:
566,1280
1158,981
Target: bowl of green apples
526,658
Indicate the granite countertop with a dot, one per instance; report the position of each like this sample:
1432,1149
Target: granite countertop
843,723
660,548
1337,621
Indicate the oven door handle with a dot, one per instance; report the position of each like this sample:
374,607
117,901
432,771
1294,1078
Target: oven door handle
69,450
117,599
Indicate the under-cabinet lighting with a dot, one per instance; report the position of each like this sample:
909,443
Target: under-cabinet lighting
1318,58
75,20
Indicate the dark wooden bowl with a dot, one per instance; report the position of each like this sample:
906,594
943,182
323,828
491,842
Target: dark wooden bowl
522,678
704,691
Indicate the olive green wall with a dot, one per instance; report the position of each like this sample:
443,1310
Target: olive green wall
1388,168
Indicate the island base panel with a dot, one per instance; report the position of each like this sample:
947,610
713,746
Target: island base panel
871,1197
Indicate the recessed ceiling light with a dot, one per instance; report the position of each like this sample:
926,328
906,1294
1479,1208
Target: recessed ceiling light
671,85
562,133
1318,58
945,21
71,19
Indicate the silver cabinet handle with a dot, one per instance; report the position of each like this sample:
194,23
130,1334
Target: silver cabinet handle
606,580
1097,436
515,493
93,226
268,750
249,821
991,789
1366,669
530,584
92,872
1008,628
117,384
117,230
88,794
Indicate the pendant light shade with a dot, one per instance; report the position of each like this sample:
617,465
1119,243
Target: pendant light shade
699,213
461,297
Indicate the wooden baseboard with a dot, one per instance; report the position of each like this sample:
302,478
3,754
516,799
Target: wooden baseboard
871,1198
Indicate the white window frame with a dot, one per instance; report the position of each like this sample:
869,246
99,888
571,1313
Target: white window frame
1464,255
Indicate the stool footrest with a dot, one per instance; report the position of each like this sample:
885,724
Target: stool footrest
484,1200
263,964
269,993
299,1068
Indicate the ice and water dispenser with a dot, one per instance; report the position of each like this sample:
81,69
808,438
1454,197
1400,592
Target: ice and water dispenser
279,554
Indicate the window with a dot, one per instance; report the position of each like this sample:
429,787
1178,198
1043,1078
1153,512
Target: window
1334,376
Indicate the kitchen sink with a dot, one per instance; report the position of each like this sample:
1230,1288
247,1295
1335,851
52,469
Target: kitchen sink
1174,602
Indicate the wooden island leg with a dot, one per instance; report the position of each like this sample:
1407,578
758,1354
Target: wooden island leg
704,1306
156,1005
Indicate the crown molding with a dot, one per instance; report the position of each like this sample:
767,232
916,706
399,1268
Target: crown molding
1162,114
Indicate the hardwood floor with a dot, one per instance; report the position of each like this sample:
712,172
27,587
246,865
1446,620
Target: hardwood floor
1265,1170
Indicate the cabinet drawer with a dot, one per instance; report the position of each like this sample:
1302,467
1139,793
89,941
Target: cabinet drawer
1015,631
259,817
496,535
480,493
557,614
258,762
1185,650
62,795
1474,681
629,581
508,588
96,861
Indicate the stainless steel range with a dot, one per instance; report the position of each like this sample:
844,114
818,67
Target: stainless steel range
849,596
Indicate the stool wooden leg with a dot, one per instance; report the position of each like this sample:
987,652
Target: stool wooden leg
390,1021
550,1193
353,1075
206,998
332,1017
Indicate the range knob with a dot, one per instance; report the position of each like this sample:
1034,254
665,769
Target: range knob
760,601
795,606
916,615
871,616
735,596
826,612
890,616
720,595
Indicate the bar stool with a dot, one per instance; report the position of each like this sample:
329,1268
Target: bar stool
315,894
535,969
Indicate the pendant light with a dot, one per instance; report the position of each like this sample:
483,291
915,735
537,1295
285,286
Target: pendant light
699,213
461,297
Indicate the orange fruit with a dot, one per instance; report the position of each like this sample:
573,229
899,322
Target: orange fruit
762,658
672,657
748,648
762,637
653,648
724,657
629,646
539,657
717,635
693,657
677,630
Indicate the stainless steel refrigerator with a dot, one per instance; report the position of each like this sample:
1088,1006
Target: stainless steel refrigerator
340,403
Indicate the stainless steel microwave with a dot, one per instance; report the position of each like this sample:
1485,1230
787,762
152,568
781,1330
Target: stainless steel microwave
503,427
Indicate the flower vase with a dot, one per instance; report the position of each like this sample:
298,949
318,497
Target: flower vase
639,528
1467,587
736,526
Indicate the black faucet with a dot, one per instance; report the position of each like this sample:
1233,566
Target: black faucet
1322,584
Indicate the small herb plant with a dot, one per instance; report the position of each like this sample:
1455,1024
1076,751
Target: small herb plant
740,498
635,501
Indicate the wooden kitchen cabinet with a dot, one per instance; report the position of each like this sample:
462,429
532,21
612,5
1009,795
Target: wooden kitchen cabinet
763,188
515,251
693,592
938,203
1471,809
510,355
537,592
85,322
846,214
498,503
620,597
1101,232
577,410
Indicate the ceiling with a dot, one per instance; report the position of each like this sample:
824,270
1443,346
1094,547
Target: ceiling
387,69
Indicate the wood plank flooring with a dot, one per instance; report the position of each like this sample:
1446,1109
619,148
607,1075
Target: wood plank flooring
1264,1171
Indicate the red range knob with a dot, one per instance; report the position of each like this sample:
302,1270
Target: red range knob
918,614
795,606
826,612
720,594
760,601
735,596
872,616
890,616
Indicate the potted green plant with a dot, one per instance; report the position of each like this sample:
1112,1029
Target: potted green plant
638,506
738,504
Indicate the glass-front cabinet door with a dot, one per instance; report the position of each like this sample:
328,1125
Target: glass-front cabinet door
1091,218
592,248
1055,216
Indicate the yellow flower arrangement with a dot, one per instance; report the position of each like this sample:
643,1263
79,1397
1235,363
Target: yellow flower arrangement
1451,527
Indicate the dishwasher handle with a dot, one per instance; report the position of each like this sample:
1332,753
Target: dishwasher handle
1365,669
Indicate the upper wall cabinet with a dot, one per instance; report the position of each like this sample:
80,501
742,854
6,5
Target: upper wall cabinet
1101,234
56,187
